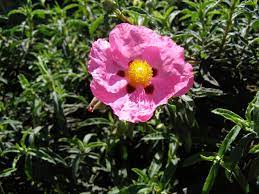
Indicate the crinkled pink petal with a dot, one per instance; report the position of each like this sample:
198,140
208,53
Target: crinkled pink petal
186,81
174,76
134,107
152,55
128,41
172,85
103,69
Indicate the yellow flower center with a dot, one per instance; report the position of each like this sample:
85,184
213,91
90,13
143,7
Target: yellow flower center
139,73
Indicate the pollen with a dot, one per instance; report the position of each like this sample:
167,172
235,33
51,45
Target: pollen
139,73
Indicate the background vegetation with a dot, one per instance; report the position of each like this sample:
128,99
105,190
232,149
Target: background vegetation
204,142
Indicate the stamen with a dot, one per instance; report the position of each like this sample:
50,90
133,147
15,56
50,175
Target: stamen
139,73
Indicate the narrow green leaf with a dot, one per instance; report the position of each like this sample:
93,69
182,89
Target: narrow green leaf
230,137
229,115
250,108
89,146
254,149
91,122
210,178
169,172
159,136
23,81
133,189
154,166
240,150
70,6
93,27
253,170
141,174
75,166
207,158
41,13
42,154
28,167
237,173
16,11
7,172
256,114
3,80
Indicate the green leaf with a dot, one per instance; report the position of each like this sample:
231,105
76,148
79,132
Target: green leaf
23,81
93,26
75,166
230,137
141,174
237,173
169,172
256,114
90,146
159,136
253,170
210,178
229,115
16,11
155,166
91,122
60,123
207,158
254,41
70,6
7,172
42,154
250,108
241,149
3,80
191,4
255,25
41,13
28,167
172,16
254,149
191,160
133,189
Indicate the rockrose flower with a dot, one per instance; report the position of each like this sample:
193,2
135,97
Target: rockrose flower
137,71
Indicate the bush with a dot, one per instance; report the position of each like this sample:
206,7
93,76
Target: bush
50,143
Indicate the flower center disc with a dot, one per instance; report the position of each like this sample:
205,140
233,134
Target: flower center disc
139,73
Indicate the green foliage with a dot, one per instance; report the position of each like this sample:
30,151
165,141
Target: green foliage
49,143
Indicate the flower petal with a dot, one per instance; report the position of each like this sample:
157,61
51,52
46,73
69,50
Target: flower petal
134,107
103,69
128,40
152,55
186,81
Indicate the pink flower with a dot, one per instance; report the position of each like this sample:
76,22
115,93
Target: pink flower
137,71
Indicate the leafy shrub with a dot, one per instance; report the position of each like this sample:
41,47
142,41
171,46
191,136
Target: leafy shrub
49,143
